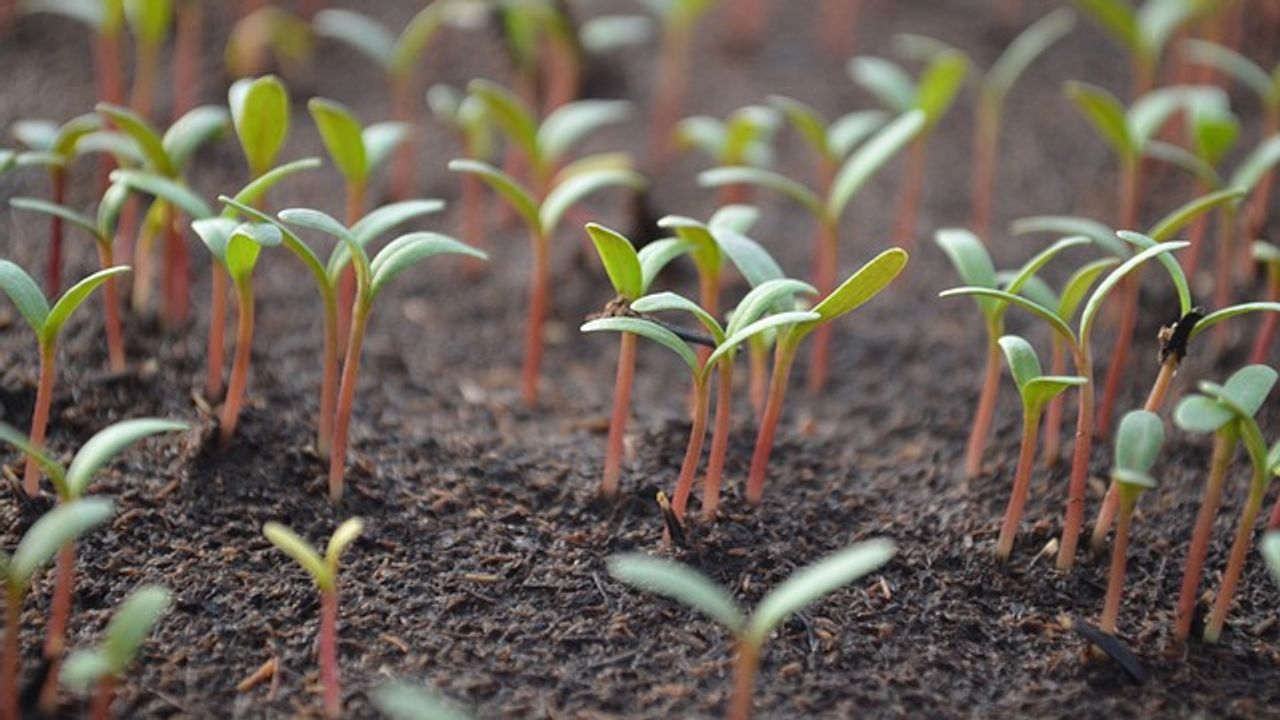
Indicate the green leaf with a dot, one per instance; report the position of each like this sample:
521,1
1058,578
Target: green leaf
869,158
48,465
1078,285
749,136
343,138
1227,313
72,299
972,263
149,20
1024,364
678,582
1270,549
362,33
750,258
400,701
1233,64
382,139
620,261
290,240
767,179
1067,226
608,33
1030,44
341,539
1107,116
245,245
84,669
1138,441
37,135
889,84
703,248
415,37
1183,160
505,185
118,145
1265,252
566,126
808,123
109,208
132,623
1094,304
706,134
321,222
1197,413
577,188
379,221
510,114
61,525
770,296
763,325
1150,112
863,285
848,131
1183,215
109,442
1256,165
1214,129
1039,391
60,211
1036,289
1171,267
1118,20
143,133
649,330
1157,21
163,188
1039,260
939,84
655,256
739,218
260,110
215,232
1055,323
1248,387
192,130
671,302
408,250
812,583
101,17
259,187
291,544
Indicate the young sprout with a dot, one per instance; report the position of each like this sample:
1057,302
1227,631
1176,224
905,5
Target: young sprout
1036,390
1078,344
744,138
679,19
403,701
70,483
324,572
932,95
167,156
372,277
56,147
102,667
102,229
757,313
1269,256
267,34
805,587
465,116
1142,32
544,48
398,57
53,531
150,22
974,266
1228,412
46,322
631,273
828,208
543,203
993,88
831,140
1138,441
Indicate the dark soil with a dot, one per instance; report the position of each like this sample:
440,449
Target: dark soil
482,569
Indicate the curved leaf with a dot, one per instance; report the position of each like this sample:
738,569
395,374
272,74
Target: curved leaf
111,441
678,582
807,121
848,131
259,187
649,330
750,258
379,221
889,84
772,295
190,131
50,467
401,701
1078,285
863,285
1024,364
245,245
671,302
1055,323
620,260
763,325
507,186
291,241
361,32
1231,63
972,263
291,544
1170,265
1138,441
1039,260
869,158
341,539
342,136
131,624
1183,215
1094,304
1256,165
260,111
59,211
939,84
215,233
382,139
1197,413
404,252
143,133
1039,391
1248,387
1227,313
510,114
84,669
767,179
25,295
415,37
72,299
1106,114
657,255
1068,226
567,125
577,188
61,525
1183,160
162,188
1030,44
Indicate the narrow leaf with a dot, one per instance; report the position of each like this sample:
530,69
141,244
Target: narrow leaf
620,261
291,544
72,299
61,525
649,330
680,583
109,442
812,583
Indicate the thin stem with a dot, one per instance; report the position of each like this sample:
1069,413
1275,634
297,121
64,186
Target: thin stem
747,21
1196,236
55,635
1226,257
58,193
1053,415
669,89
785,355
825,282
111,311
1266,337
346,397
217,330
744,679
986,144
143,264
240,366
144,78
562,69
758,387
1274,522
109,75
912,193
1021,483
473,232
1129,292
1224,445
329,380
719,441
402,110
40,418
186,57
539,290
621,413
329,652
1079,468
347,279
177,273
12,656
103,696
1119,557
985,415
693,452
1259,207
1235,565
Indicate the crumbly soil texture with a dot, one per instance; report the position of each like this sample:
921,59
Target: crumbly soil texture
482,570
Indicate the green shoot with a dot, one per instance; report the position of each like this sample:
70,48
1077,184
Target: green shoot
1142,32
465,116
1138,441
1036,390
805,587
679,20
267,34
1268,255
402,701
47,322
324,573
745,137
103,666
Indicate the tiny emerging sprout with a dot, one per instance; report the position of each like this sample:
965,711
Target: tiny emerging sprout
828,209
1228,412
1036,390
53,531
679,19
47,323
324,573
372,277
932,94
71,483
1138,441
745,137
806,586
1269,256
103,666
403,701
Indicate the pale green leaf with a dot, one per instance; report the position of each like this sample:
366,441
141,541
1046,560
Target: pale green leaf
939,84
770,296
1227,313
291,544
848,131
342,136
68,215
341,539
1094,304
807,121
51,467
215,232
416,36
1171,267
246,244
1260,161
84,669
25,295
888,83
1248,387
131,624
769,323
259,187
680,583
671,302
260,110
109,442
608,33
507,186
510,114
1118,19
620,260
1078,285
863,285
649,330
767,179
162,188
972,263
1197,413
1048,316
380,140
1233,64
1107,116
1270,549
406,251
143,133
577,188
72,299
750,258
1030,44
568,125
1138,441
400,701
1069,226
812,583
378,221
869,158
361,32
1024,364
655,256
149,20
61,525
1039,391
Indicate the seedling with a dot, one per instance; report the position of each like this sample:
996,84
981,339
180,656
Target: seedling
47,323
1228,412
831,140
1078,344
1138,441
1142,32
679,19
268,34
543,203
544,49
974,266
1036,390
70,483
465,116
167,156
932,95
1269,256
102,229
828,209
324,573
56,147
101,668
757,313
1271,553
149,22
371,279
402,701
805,587
398,57
631,274
993,88
53,531
745,138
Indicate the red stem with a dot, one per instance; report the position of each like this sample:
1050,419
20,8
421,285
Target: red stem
1224,445
744,680
982,420
12,656
621,412
347,281
693,452
55,636
177,273
912,192
539,290
110,80
329,652
1021,484
111,312
747,20
1053,415
402,110
825,282
473,218
758,358
1130,287
669,89
1119,557
1196,236
217,331
782,360
1274,522
1259,207
1266,337
986,144
1226,256
103,696
719,442
1235,565
562,69
186,57
1079,468
58,191
838,26
40,418
240,366
346,398
329,381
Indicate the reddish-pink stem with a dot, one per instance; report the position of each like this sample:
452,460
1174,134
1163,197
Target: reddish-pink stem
825,282
177,273
1021,484
240,365
838,25
1224,445
985,415
186,57
669,89
782,360
329,381
986,145
347,280
1053,415
912,193
744,679
103,696
1235,564
217,330
1079,469
719,442
58,192
329,652
747,20
693,452
346,398
473,218
1266,337
1119,558
56,631
621,412
539,290
402,110
1129,290
40,418
111,312
758,360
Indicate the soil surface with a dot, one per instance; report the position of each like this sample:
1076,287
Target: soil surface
482,570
